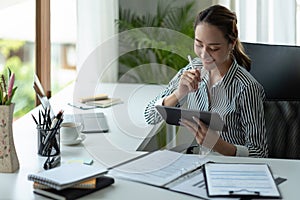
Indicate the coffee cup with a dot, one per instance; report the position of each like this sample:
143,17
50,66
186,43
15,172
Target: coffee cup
70,131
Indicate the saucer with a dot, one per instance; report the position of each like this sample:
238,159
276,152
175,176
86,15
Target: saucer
74,142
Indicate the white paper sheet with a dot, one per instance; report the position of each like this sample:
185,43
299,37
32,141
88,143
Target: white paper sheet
192,184
240,179
159,168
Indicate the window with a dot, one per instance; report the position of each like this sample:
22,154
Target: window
268,21
17,35
63,39
17,47
298,22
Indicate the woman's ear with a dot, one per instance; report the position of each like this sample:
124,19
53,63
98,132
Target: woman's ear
233,44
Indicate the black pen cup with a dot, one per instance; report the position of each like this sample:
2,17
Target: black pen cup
48,141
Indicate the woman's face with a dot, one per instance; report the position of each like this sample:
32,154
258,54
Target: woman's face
211,46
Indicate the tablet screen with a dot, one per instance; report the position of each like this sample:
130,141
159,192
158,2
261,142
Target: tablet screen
172,115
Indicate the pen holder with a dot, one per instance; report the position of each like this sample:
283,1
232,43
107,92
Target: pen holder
48,141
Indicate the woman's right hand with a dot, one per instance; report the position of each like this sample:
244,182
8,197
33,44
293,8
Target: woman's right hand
189,82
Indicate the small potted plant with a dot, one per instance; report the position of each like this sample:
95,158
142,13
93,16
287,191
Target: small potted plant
8,157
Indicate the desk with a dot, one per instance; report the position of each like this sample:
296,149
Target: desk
109,149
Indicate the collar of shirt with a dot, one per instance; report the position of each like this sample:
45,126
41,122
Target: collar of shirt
229,76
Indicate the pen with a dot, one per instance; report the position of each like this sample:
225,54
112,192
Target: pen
50,140
85,107
55,120
34,119
48,118
44,115
39,117
191,62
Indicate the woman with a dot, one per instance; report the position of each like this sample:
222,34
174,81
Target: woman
226,87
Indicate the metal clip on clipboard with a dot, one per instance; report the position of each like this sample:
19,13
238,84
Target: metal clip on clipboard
243,192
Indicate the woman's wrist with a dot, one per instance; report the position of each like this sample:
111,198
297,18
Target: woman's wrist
225,148
178,95
172,99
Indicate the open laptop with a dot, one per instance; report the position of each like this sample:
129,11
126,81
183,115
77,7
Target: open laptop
94,122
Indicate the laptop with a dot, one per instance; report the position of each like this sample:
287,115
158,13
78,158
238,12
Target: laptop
94,122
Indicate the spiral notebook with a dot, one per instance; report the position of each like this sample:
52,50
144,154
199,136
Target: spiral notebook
66,175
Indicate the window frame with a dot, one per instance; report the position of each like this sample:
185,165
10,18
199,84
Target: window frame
43,45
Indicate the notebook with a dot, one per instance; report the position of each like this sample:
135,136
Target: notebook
66,175
92,122
104,103
88,184
73,193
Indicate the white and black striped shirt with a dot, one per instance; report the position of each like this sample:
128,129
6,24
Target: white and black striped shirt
238,98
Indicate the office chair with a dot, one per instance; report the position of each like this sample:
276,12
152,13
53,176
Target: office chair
277,68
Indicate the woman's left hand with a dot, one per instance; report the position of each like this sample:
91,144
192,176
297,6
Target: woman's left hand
203,134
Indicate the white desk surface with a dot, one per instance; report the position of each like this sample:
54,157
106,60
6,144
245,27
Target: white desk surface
109,149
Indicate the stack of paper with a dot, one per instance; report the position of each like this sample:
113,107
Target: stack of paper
159,168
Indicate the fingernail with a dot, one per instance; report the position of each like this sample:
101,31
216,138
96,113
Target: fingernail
181,121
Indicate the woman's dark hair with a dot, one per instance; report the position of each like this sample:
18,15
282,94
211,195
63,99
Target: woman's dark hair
226,21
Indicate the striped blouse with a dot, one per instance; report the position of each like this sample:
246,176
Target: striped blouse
238,98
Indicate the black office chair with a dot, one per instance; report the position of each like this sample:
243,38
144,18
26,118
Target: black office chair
282,126
277,68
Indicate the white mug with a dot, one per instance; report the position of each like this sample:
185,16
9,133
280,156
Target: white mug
69,131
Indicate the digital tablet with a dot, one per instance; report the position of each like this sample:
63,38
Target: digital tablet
172,115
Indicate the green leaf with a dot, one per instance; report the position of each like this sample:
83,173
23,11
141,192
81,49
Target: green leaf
9,72
8,102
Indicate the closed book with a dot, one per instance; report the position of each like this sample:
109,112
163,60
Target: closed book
67,175
105,102
94,98
74,193
88,184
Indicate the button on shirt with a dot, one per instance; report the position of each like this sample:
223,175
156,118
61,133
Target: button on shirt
237,98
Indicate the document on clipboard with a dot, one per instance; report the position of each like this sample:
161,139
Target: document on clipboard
172,115
240,179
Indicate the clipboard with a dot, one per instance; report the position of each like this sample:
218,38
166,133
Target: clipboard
240,180
172,115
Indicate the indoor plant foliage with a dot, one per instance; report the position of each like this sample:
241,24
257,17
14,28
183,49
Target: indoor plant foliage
8,157
152,65
7,89
167,16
